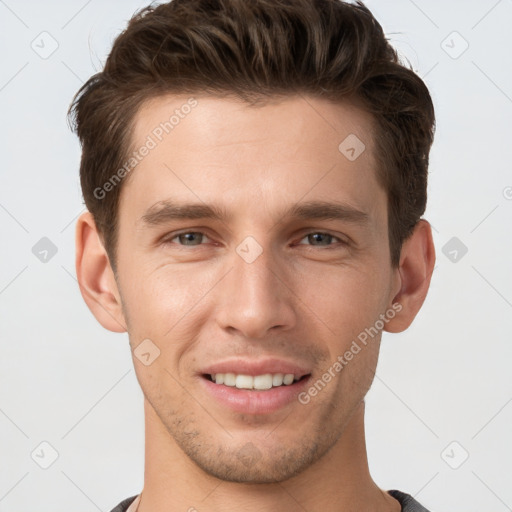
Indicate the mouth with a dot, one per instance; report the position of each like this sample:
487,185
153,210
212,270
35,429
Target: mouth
261,387
262,382
254,386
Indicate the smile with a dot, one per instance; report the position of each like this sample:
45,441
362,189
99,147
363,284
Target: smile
256,382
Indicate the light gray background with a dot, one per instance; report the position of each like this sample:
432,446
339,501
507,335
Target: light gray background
66,381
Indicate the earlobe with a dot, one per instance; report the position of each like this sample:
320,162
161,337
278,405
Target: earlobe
95,276
417,260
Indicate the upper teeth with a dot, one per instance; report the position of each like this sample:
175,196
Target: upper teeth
266,381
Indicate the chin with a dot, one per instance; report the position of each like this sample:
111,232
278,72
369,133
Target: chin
251,463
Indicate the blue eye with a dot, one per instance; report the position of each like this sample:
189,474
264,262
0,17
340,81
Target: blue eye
194,238
188,237
328,237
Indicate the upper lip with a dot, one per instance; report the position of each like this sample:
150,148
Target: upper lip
256,367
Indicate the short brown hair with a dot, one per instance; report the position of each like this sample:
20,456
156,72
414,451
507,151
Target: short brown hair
255,49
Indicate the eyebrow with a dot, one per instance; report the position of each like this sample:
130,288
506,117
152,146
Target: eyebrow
168,210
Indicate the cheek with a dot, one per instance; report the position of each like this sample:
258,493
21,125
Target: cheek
164,295
344,306
166,305
345,300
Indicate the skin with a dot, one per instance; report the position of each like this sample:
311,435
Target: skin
304,299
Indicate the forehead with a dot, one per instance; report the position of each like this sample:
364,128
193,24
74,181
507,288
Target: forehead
217,120
212,149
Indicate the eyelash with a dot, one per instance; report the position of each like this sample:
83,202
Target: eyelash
168,241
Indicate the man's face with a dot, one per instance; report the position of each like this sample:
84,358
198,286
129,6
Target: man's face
261,291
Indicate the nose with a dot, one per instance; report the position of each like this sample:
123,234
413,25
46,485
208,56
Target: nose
256,296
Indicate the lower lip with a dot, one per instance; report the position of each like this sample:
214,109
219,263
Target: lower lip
248,401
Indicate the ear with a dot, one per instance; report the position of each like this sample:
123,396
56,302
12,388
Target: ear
95,276
417,260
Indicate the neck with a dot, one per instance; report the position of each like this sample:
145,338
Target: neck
339,481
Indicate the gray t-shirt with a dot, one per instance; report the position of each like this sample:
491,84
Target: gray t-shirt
409,504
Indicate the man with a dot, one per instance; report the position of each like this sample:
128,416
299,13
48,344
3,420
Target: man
255,173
